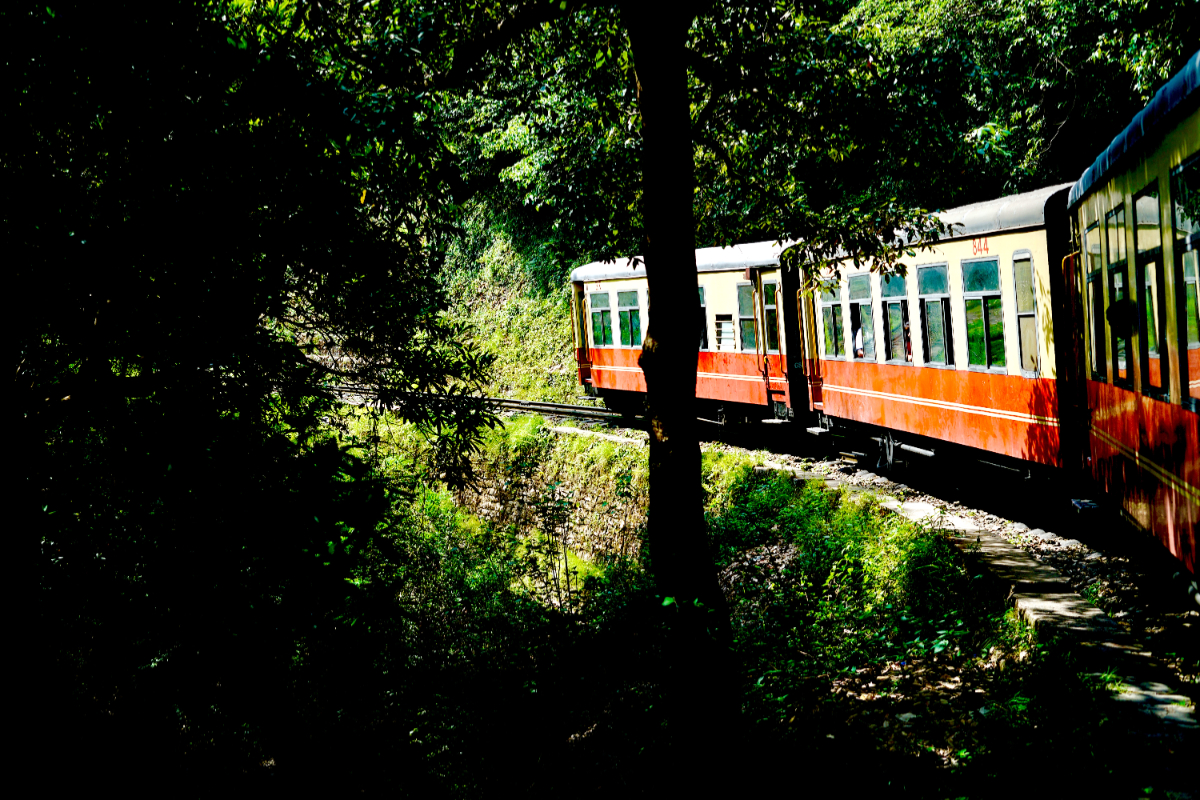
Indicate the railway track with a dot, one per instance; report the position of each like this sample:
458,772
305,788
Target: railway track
555,409
509,404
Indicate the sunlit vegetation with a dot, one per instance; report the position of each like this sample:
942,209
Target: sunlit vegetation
234,221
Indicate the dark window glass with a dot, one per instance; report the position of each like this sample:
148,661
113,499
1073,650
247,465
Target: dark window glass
1185,202
1121,316
892,286
934,285
932,280
935,326
771,316
1026,313
985,332
1193,318
834,340
1097,350
1091,246
601,320
899,345
981,276
995,323
866,331
1145,205
1120,321
703,322
985,314
746,316
1115,225
1151,287
862,320
629,318
1095,301
976,333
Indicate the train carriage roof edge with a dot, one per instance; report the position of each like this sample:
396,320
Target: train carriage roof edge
1176,98
1001,215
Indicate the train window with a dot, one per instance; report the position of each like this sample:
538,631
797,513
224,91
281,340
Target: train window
862,322
1185,199
831,316
601,320
703,321
934,287
985,314
771,316
745,292
895,318
1095,300
1118,311
1151,287
630,319
725,335
1026,313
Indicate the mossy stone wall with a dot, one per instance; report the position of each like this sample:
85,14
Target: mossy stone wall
589,494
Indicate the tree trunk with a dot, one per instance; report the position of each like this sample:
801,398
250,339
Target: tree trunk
700,682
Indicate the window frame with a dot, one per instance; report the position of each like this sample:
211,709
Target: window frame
742,318
592,311
704,340
1027,255
908,358
855,310
947,310
731,319
637,295
1182,245
835,305
983,295
1098,361
1141,259
767,328
1114,266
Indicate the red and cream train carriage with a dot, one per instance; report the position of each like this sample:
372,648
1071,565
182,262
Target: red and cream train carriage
743,353
961,348
1137,216
1059,327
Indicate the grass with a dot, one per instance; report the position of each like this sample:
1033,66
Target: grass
876,660
880,643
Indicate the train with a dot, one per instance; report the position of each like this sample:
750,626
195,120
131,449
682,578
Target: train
1055,331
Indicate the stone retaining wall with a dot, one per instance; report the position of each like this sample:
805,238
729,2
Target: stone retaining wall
598,516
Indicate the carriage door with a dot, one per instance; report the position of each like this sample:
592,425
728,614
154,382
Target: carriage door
800,356
583,356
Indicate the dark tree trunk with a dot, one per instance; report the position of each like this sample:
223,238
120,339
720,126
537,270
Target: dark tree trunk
700,684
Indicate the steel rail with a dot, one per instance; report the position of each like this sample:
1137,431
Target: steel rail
510,404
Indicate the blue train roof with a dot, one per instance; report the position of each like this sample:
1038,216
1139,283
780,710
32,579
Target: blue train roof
1177,95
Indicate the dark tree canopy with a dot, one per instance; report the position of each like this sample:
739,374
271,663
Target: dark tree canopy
223,214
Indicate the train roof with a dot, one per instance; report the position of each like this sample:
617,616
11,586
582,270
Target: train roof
1009,213
708,259
1177,96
